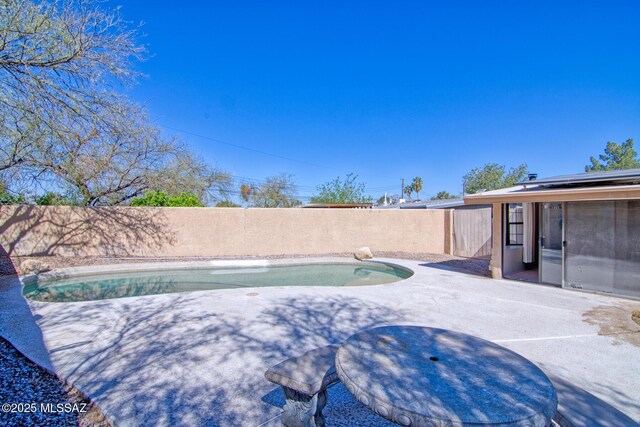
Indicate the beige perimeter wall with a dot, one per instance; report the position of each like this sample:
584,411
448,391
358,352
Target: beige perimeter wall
210,232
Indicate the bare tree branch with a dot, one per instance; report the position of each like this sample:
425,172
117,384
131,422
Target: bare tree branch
61,121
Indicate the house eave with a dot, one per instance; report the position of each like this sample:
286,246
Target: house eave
521,194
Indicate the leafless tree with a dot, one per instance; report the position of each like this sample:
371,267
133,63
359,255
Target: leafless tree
61,119
114,159
276,192
63,55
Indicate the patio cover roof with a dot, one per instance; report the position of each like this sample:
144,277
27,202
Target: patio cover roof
609,185
540,193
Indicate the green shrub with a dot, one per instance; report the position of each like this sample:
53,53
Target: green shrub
226,204
162,199
55,199
7,198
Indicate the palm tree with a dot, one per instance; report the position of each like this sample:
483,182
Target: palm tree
417,186
408,190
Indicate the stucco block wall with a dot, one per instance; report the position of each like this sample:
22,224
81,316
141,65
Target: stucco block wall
204,232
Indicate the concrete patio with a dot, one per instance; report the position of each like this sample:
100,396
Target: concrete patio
198,358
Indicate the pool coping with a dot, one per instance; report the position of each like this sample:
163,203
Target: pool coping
106,269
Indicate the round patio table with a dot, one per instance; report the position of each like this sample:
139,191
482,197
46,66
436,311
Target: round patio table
418,376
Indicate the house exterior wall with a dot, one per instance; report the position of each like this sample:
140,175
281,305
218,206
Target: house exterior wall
448,231
215,232
495,264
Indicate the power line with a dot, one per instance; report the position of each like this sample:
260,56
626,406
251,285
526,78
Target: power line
388,187
246,180
303,188
238,193
242,147
239,180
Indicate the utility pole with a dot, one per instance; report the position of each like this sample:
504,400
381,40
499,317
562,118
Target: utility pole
402,190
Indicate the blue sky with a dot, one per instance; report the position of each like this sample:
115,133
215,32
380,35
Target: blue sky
392,89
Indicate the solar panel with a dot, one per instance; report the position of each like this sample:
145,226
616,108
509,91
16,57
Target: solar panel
630,175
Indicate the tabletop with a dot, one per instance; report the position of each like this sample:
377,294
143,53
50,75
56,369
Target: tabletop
419,376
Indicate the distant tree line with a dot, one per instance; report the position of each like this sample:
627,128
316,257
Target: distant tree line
340,192
615,157
277,191
492,176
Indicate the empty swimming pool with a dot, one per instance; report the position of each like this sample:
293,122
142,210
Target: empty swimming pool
132,284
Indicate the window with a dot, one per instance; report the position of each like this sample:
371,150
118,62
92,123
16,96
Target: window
515,225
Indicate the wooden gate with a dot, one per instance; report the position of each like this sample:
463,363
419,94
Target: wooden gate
472,232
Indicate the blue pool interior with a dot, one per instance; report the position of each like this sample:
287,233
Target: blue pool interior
120,285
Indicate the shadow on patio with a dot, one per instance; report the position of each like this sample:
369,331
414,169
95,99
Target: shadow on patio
177,362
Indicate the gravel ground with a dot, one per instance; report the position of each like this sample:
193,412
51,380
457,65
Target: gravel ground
9,266
28,387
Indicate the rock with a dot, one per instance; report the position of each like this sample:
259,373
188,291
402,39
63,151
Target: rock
362,253
33,266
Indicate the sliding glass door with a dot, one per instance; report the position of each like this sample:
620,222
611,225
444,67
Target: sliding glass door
603,246
551,243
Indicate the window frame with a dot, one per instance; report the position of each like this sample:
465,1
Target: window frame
509,223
